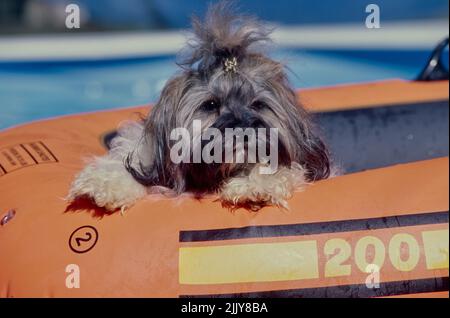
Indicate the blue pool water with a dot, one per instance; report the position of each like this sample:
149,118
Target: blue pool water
37,90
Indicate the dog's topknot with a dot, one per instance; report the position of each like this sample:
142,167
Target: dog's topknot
223,35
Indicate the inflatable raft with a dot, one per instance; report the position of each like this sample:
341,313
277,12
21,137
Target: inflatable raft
380,230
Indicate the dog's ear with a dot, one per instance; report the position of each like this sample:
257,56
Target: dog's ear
150,164
222,35
312,152
315,159
301,135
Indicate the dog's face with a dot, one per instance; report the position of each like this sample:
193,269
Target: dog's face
226,84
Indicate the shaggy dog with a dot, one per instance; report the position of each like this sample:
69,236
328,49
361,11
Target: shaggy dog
225,81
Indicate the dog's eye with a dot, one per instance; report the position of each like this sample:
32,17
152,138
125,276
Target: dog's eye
210,105
258,105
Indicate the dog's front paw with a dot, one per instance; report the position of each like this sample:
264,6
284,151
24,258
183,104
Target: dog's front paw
108,184
242,193
256,190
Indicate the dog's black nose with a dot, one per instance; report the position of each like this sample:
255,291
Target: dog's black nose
243,118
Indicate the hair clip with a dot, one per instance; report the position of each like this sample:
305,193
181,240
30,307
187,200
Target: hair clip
230,65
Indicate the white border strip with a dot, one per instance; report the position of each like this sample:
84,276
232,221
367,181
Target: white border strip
79,46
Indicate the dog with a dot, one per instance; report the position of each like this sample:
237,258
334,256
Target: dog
225,81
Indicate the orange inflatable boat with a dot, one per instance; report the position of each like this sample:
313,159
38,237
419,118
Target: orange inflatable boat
381,230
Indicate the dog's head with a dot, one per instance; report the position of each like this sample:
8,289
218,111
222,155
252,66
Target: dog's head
226,82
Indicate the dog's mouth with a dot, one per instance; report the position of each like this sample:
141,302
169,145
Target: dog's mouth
206,157
252,134
207,176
